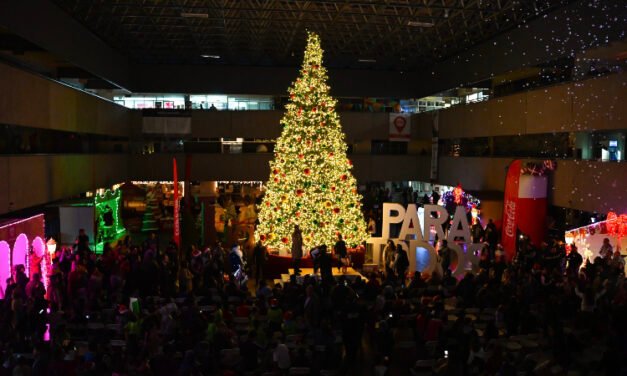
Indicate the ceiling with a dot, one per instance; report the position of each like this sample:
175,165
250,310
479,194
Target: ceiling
386,35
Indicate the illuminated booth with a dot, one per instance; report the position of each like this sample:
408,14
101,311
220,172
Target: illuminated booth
16,248
589,239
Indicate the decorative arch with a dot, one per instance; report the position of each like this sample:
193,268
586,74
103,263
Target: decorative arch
20,251
39,247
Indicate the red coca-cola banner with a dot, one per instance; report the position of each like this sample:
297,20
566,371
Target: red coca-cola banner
532,207
176,226
510,206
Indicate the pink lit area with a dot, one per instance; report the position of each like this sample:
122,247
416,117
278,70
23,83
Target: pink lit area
39,247
5,266
20,250
43,261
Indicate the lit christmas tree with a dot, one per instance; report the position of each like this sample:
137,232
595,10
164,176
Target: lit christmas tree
310,180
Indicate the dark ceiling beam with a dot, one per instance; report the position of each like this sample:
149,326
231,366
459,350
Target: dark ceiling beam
73,72
16,44
219,79
561,33
46,25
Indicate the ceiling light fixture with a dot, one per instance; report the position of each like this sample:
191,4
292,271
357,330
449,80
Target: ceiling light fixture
420,24
367,60
210,56
194,15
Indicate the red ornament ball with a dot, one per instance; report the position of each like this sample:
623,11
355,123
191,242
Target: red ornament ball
336,210
299,192
331,154
284,240
267,203
275,171
298,214
262,238
344,177
350,163
300,156
276,180
332,189
307,171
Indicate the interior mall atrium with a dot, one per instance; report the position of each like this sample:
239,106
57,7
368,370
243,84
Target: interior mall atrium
333,187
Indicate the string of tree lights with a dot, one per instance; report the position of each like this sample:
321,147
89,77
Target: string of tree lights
310,182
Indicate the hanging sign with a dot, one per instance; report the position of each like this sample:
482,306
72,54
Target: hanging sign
400,127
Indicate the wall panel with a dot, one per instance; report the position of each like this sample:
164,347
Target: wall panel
506,116
38,179
210,124
589,105
256,124
23,98
33,101
549,109
4,185
591,186
591,102
474,174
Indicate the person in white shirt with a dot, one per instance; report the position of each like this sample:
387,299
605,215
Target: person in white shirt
281,356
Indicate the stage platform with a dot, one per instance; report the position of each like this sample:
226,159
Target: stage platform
350,274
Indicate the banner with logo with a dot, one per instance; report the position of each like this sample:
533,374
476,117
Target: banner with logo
400,127
532,207
510,206
177,223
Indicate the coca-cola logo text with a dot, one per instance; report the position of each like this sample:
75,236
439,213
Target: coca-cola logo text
510,216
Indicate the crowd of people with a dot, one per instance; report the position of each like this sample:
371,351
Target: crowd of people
142,309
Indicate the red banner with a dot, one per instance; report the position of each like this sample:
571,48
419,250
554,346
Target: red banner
510,206
532,207
177,224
